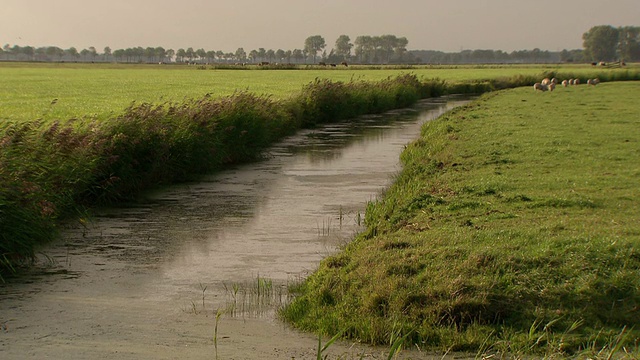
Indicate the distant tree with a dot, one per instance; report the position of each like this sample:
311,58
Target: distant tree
55,52
253,55
314,44
280,55
240,55
150,54
629,43
72,52
180,55
201,54
191,54
387,43
106,53
271,55
211,56
160,53
84,53
400,47
288,55
119,54
343,47
600,43
41,54
138,53
262,53
364,48
220,55
93,52
298,55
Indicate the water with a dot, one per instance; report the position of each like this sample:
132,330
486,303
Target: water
146,280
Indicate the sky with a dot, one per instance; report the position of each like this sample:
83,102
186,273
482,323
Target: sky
444,25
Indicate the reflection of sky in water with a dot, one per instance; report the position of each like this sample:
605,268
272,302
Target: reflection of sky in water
136,270
277,217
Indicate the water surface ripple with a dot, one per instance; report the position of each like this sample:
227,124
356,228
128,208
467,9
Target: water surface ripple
144,280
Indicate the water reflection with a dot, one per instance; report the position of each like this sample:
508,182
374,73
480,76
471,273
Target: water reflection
141,264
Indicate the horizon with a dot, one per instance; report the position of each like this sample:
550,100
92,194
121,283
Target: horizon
278,24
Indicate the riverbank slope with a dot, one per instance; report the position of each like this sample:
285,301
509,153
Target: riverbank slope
513,228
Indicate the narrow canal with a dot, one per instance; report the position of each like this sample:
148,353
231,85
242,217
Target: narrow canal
146,280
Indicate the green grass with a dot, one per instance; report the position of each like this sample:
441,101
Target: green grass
103,91
514,228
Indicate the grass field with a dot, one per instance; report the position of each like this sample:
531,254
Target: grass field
63,91
513,228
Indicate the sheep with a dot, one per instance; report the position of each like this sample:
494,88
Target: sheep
593,82
551,86
576,82
540,86
545,81
565,83
554,80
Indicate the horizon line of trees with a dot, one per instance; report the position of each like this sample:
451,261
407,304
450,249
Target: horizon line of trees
608,43
601,43
368,49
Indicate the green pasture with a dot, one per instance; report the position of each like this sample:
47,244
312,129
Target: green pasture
513,228
31,91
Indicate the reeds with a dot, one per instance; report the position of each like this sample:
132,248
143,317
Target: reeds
52,171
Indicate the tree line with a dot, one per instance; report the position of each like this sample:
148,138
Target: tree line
365,49
608,43
601,43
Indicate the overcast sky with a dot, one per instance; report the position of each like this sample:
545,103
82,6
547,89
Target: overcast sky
446,25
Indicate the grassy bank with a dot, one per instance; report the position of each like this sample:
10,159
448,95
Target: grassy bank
513,227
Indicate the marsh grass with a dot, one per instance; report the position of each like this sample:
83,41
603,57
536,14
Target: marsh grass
256,298
512,229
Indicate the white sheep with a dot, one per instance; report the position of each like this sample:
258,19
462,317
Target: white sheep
540,86
565,83
551,86
576,82
593,82
545,81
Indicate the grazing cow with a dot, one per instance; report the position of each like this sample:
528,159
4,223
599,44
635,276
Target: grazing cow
321,63
264,63
344,63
